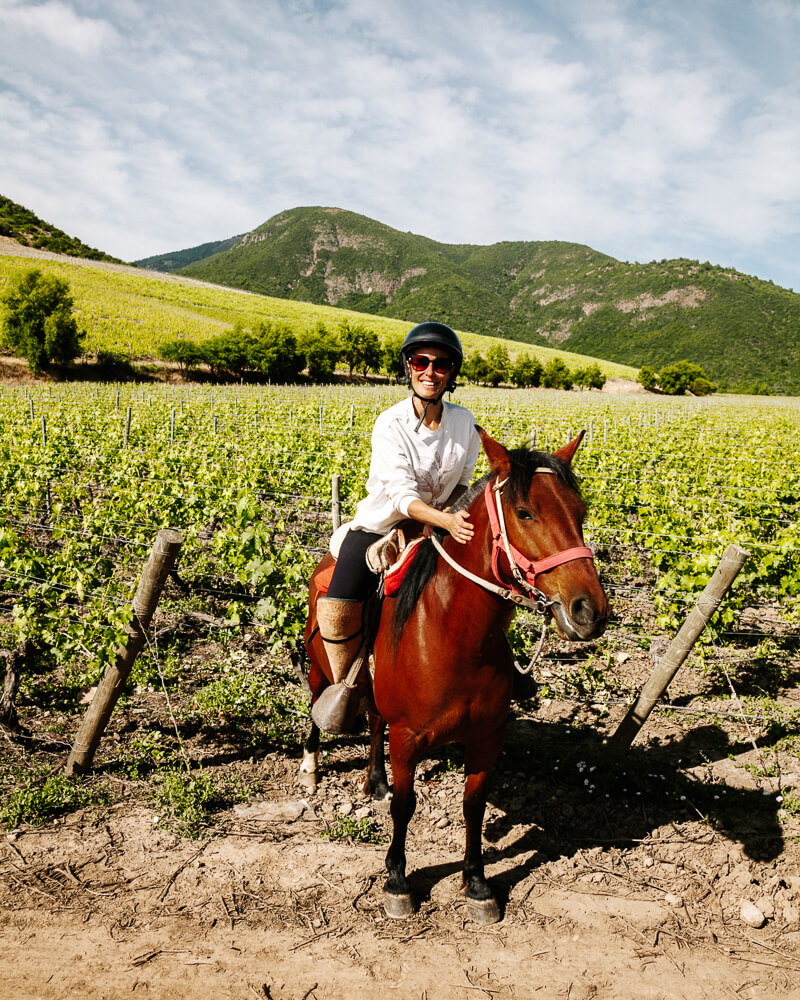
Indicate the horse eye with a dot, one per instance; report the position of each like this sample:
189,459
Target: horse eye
523,514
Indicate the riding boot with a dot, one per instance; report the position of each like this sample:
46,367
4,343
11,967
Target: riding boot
340,627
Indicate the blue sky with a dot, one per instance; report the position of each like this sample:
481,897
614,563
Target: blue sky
645,130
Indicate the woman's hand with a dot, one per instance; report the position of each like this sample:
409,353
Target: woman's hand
459,526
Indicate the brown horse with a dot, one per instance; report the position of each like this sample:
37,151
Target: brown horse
443,665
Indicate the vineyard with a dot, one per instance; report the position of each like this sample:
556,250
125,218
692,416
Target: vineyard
214,717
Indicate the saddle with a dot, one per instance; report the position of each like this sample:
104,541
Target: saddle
390,558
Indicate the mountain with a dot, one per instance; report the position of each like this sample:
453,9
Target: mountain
23,226
182,258
744,332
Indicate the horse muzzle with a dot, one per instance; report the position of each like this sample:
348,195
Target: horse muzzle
580,619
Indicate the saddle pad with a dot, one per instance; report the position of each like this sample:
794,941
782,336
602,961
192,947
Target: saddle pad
393,576
323,580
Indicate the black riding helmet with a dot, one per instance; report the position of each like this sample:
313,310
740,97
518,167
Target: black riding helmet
431,334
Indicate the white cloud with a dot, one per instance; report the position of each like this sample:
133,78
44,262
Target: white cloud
143,127
56,24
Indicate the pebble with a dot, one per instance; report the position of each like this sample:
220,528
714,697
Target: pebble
672,900
767,907
346,809
442,823
791,914
362,813
751,914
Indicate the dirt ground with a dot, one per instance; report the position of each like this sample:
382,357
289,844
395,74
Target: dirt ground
608,888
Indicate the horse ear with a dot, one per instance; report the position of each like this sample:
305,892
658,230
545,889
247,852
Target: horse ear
496,453
567,453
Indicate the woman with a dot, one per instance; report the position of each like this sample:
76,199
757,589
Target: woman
424,452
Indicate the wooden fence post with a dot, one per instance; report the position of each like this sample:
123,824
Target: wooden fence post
680,647
162,558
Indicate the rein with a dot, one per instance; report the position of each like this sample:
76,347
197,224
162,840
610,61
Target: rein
523,569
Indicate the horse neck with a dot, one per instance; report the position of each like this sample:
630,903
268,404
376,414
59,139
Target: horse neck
476,556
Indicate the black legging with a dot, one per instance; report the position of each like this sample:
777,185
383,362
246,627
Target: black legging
352,579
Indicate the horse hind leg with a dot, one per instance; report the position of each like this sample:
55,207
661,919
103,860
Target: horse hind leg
398,901
376,782
309,766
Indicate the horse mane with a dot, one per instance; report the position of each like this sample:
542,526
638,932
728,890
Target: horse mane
524,464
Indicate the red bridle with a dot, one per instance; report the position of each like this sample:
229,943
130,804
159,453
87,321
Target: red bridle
523,569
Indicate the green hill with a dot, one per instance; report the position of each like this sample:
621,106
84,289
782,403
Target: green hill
23,226
743,331
136,311
167,262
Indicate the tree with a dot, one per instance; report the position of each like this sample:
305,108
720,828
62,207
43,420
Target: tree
647,378
186,353
556,375
360,347
39,324
590,377
527,371
498,364
321,351
676,378
475,368
274,352
390,354
228,353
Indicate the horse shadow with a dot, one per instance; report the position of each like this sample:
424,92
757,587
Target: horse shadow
558,785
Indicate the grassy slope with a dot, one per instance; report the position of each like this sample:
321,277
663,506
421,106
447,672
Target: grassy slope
137,312
22,225
743,331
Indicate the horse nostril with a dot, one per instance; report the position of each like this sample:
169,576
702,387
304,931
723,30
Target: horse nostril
582,611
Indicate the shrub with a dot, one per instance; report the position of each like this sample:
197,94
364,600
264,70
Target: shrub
556,375
590,377
360,347
39,324
321,351
676,378
186,353
647,378
702,387
115,362
527,371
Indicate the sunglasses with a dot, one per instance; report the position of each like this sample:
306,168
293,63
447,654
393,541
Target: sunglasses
420,362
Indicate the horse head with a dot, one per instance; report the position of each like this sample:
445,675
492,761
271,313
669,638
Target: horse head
538,535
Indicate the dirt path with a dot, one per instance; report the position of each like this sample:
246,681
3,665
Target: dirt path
118,906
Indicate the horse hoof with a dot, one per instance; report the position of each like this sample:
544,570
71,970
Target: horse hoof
484,911
308,779
398,906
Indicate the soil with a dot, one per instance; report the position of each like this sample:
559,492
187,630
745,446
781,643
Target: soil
619,880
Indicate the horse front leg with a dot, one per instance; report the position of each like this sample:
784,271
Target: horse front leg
398,901
481,901
376,782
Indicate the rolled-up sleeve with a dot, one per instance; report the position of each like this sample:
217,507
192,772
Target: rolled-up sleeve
392,468
473,451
